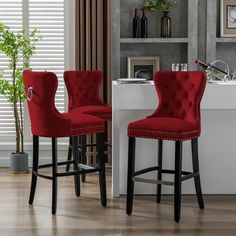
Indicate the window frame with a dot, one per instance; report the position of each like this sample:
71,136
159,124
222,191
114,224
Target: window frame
69,46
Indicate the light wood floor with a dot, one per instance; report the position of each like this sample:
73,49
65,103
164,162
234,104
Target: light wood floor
85,217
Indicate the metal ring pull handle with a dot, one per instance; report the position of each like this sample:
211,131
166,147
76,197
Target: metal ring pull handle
30,93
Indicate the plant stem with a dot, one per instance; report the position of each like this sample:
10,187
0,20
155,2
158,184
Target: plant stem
21,127
17,127
16,115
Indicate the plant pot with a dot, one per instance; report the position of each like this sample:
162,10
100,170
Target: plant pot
165,25
19,163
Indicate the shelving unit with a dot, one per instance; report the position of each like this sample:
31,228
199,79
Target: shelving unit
225,40
171,50
154,40
217,47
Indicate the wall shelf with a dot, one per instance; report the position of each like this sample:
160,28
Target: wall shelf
154,40
226,40
218,47
182,48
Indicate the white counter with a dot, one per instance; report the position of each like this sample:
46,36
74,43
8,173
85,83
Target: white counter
217,144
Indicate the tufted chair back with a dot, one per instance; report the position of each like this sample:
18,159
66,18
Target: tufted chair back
45,119
180,94
83,88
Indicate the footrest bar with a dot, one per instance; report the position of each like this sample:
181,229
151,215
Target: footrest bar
146,170
86,167
95,153
153,181
59,164
79,172
163,171
42,175
189,176
107,144
91,145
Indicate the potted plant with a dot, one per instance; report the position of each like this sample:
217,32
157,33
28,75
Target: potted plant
162,6
18,47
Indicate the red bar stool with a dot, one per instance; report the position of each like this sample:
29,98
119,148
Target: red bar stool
46,121
83,90
177,118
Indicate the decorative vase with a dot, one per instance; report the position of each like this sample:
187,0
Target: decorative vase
165,25
19,163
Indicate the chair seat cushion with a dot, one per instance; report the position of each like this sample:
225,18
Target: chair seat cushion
83,124
164,128
103,112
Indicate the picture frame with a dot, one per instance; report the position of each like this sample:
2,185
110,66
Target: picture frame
143,67
228,18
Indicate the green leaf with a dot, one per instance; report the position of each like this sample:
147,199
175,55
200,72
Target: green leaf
158,5
18,47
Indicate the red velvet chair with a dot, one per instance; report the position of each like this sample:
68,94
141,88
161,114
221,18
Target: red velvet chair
83,90
46,121
177,118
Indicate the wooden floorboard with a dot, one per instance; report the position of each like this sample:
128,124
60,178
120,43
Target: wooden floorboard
84,216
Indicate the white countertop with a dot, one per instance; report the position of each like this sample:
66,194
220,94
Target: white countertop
218,95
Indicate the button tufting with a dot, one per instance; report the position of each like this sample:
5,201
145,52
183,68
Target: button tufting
180,103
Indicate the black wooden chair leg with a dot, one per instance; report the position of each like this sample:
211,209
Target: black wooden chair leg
54,176
130,182
35,168
159,173
102,172
83,154
197,181
75,149
178,174
69,158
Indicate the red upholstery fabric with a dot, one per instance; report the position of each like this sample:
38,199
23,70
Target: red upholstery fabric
45,119
83,90
103,112
178,114
165,128
84,124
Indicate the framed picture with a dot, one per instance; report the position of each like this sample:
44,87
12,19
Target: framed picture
228,18
143,67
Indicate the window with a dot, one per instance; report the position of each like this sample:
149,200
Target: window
48,17
11,15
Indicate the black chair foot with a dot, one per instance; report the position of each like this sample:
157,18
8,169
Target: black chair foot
54,176
177,183
34,169
75,147
102,172
159,174
130,182
83,155
197,181
69,158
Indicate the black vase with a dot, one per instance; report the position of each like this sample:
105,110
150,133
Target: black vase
165,25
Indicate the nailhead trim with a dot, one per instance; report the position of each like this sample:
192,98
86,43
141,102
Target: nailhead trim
161,132
164,138
89,130
202,89
90,127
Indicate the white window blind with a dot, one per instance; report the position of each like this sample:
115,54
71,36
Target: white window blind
11,15
48,17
